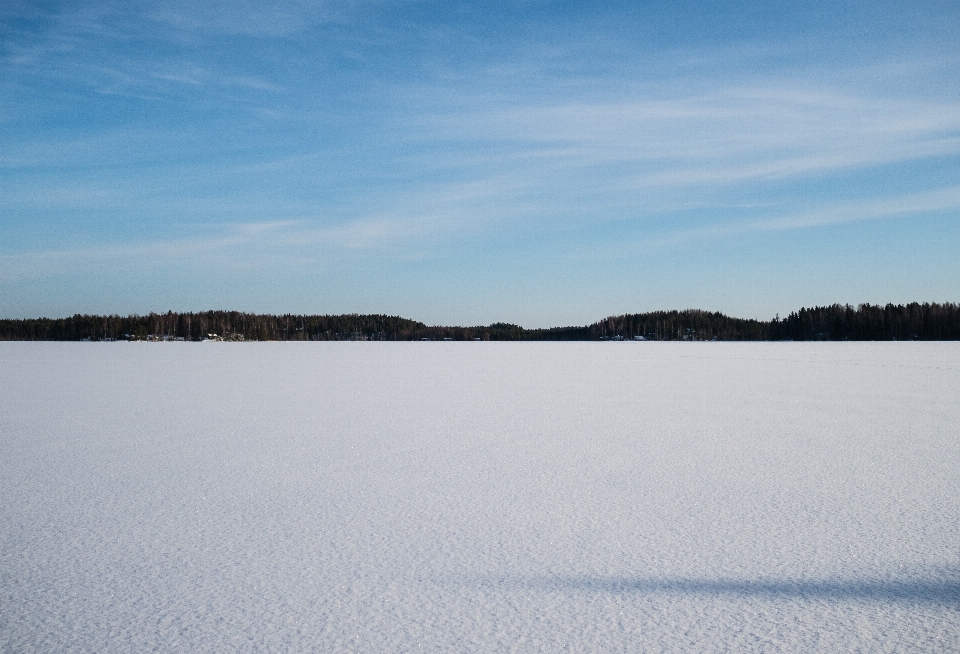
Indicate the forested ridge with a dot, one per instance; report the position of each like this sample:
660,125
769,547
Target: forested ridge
926,322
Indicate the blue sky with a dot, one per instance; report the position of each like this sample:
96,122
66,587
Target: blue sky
463,163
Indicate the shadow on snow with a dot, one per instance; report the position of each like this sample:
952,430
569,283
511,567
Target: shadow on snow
943,592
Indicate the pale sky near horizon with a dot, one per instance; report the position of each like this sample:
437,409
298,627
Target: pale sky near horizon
540,163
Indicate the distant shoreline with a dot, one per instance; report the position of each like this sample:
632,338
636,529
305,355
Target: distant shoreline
865,322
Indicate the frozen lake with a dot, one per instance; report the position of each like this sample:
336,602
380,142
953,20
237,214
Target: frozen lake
391,497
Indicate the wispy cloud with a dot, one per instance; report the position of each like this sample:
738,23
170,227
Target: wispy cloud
945,199
20,266
137,50
722,138
902,206
410,228
245,17
405,233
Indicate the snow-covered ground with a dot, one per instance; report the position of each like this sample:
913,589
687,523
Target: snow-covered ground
479,497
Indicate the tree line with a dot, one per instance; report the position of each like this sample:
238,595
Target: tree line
893,322
927,322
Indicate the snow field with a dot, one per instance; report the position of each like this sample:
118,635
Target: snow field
377,497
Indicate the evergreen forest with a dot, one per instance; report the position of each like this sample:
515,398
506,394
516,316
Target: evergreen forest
866,322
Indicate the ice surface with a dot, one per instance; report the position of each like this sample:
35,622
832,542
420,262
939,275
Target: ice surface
390,497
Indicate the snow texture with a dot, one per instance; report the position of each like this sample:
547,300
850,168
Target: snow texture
479,497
